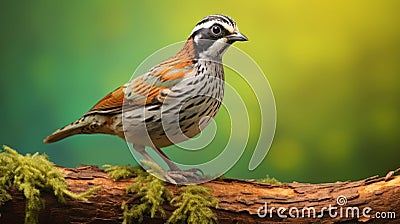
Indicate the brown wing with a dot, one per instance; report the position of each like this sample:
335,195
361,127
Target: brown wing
139,94
111,103
145,89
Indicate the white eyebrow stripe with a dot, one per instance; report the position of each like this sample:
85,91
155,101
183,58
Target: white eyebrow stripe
210,23
226,18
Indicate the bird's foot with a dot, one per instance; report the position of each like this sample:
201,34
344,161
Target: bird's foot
190,176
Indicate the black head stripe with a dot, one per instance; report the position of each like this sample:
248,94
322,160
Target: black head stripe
222,18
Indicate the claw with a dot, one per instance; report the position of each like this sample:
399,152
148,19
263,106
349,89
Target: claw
189,176
196,170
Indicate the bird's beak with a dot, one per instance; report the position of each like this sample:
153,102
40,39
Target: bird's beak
237,37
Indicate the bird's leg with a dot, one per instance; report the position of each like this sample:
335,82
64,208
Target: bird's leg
178,175
172,166
175,175
142,150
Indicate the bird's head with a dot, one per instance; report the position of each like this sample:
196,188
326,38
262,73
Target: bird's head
213,35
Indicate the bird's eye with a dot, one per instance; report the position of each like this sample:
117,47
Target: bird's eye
216,30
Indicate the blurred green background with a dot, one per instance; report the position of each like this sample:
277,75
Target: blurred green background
334,67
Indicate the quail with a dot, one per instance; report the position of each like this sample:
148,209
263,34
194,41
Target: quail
170,103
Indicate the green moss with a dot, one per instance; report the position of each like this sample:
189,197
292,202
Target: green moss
194,206
270,180
122,172
152,194
150,190
32,174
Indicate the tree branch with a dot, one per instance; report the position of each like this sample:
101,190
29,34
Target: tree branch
240,201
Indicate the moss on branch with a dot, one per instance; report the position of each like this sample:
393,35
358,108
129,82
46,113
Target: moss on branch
32,174
193,204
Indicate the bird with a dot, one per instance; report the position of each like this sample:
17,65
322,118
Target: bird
171,102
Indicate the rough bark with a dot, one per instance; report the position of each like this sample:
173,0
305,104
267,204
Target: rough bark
239,200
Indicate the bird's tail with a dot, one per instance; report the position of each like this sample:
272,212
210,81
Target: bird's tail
77,127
